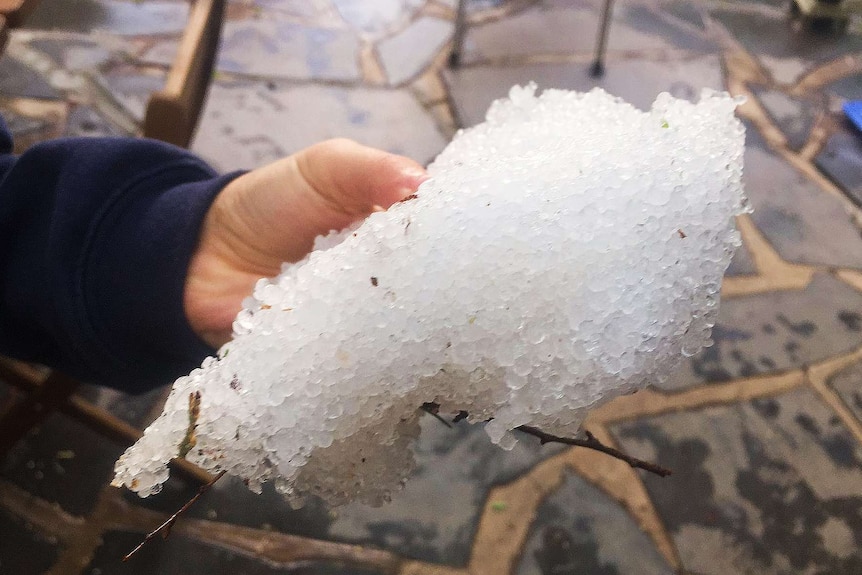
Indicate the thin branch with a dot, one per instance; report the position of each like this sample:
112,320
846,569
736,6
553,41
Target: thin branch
165,528
434,410
592,443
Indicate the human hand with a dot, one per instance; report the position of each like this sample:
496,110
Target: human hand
273,214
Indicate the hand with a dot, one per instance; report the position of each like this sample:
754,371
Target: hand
273,214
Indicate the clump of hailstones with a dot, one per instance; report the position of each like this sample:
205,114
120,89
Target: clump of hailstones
568,250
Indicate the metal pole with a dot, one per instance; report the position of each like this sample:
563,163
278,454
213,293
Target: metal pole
597,70
460,32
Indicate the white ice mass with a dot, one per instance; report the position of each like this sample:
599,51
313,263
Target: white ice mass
568,250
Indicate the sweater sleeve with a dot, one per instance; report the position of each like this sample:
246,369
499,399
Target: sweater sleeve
96,236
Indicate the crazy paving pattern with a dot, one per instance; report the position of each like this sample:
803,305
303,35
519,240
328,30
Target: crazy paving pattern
763,430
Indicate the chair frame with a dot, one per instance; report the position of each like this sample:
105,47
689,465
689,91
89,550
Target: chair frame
172,116
597,69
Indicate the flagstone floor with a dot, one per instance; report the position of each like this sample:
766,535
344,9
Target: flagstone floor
763,430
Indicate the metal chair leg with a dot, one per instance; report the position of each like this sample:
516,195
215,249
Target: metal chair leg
460,32
597,70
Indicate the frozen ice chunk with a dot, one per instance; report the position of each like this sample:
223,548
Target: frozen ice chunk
568,250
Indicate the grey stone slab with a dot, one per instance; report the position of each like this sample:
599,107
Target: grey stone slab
307,9
23,551
64,462
230,501
133,409
408,53
132,89
687,11
637,81
791,210
848,383
478,5
772,486
74,55
573,29
767,35
374,17
841,160
84,121
777,331
435,516
580,530
741,264
849,88
652,21
19,80
246,125
20,125
794,116
270,47
178,555
121,17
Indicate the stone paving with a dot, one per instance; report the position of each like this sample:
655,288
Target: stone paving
763,430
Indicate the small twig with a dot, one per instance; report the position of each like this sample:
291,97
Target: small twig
592,443
165,528
434,409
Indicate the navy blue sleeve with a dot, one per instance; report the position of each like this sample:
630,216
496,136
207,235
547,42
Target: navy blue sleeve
95,240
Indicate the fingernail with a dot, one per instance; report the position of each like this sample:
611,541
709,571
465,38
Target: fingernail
416,174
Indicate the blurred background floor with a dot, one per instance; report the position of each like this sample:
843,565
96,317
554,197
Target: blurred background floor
762,430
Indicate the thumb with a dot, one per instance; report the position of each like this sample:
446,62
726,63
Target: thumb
358,178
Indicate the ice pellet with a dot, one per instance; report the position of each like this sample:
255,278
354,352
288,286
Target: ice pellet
568,250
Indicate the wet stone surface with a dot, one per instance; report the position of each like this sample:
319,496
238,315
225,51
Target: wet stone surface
23,552
375,17
174,556
21,126
849,88
132,89
841,160
794,116
230,501
686,11
136,410
579,530
435,516
636,81
405,55
19,80
62,462
769,35
741,264
119,17
246,125
275,48
75,54
573,29
790,210
848,385
771,486
772,332
84,121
